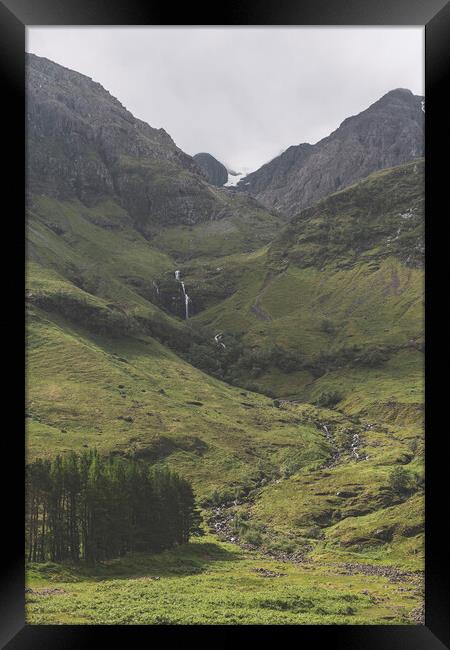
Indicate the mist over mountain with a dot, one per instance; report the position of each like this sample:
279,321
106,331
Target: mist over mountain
388,133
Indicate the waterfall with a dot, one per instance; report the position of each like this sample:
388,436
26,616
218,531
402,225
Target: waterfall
187,300
218,339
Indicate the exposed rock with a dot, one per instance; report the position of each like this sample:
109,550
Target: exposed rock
266,573
78,135
125,418
388,133
385,533
417,615
215,172
411,530
83,144
45,591
346,494
392,573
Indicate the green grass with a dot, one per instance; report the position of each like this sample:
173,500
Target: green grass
81,386
361,289
210,582
229,234
100,374
349,506
364,310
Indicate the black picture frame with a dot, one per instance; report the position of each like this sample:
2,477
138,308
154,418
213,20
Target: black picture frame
15,15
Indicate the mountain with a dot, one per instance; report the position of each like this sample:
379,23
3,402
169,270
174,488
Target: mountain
289,396
342,281
215,172
83,145
108,346
331,314
388,133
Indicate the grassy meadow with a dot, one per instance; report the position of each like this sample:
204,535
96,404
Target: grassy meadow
212,582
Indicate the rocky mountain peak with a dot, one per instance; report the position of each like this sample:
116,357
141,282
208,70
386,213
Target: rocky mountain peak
388,133
84,147
78,134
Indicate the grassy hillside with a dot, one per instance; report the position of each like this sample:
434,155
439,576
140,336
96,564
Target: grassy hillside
133,396
345,309
349,334
347,506
292,398
100,376
322,317
245,226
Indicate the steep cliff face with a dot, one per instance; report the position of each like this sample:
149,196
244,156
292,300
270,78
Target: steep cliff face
82,144
79,135
215,172
390,132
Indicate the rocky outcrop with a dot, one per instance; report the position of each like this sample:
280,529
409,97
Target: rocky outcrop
83,144
390,132
215,172
78,134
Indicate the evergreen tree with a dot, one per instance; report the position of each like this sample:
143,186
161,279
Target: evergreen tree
94,508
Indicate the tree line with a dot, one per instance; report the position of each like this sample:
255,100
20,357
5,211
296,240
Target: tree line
88,507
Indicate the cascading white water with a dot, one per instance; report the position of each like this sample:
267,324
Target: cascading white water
187,300
218,339
354,447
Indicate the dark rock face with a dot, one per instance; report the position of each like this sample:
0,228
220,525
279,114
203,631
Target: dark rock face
390,132
215,172
83,144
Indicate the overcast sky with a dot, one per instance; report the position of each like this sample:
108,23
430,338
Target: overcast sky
241,94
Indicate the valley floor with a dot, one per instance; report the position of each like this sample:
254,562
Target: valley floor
209,581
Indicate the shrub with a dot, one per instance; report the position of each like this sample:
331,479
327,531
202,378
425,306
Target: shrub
327,326
373,358
328,399
253,537
282,546
400,481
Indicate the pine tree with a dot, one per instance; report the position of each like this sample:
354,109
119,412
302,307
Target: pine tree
95,508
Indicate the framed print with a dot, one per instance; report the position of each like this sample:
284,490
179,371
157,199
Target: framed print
226,227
